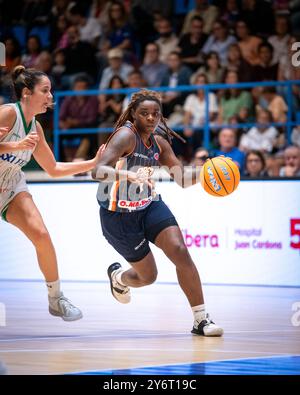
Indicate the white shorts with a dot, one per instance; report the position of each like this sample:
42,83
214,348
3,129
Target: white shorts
7,196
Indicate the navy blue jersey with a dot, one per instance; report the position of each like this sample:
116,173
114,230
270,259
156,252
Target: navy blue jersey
124,196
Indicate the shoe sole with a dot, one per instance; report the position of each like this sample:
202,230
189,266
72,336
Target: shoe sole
68,319
218,333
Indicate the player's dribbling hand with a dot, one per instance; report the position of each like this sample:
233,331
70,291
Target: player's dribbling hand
142,176
3,131
29,142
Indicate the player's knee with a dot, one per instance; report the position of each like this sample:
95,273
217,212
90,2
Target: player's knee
149,278
178,250
40,235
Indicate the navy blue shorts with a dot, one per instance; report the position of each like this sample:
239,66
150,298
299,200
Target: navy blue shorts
130,233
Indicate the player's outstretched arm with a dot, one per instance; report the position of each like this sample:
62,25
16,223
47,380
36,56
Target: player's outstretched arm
184,176
45,158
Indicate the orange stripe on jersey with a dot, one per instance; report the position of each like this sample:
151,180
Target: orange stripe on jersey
114,188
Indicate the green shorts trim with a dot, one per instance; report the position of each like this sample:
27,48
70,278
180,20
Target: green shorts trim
4,213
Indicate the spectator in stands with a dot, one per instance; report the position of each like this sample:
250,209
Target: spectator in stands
78,112
262,136
191,44
167,40
153,69
280,40
212,69
230,14
44,63
119,34
200,156
219,41
248,43
59,33
195,112
195,108
12,54
176,75
99,11
33,49
234,102
259,15
35,13
209,14
61,7
79,57
235,62
58,68
265,70
291,162
135,81
116,67
111,107
275,104
255,164
227,142
89,28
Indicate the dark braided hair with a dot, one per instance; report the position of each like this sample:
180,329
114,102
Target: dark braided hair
144,94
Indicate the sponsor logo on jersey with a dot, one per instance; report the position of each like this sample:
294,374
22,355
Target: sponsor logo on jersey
134,204
156,156
140,245
140,155
13,159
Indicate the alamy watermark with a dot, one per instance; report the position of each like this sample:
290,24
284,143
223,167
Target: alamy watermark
2,54
295,320
296,55
2,314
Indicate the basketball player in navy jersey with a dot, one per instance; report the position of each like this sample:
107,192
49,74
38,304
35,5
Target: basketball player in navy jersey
132,216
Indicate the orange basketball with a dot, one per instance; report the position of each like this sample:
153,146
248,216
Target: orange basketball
219,176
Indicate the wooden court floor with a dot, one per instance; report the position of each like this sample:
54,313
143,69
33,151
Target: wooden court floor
154,329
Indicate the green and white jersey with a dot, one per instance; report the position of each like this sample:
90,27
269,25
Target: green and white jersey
11,163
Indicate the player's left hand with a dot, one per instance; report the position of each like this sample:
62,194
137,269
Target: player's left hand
99,154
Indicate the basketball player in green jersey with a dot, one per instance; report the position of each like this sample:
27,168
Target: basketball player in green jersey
21,136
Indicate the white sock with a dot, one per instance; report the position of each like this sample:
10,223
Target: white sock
199,312
118,277
54,289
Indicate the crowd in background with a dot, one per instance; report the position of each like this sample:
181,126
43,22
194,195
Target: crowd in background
149,43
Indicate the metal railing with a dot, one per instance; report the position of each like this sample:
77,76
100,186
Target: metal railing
184,88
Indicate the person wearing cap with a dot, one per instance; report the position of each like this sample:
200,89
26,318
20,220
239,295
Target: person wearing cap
117,67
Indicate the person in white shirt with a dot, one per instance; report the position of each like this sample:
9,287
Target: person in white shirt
89,28
195,107
167,41
194,115
261,137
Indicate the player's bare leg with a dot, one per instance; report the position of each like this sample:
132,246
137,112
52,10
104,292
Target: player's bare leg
170,240
23,213
143,272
